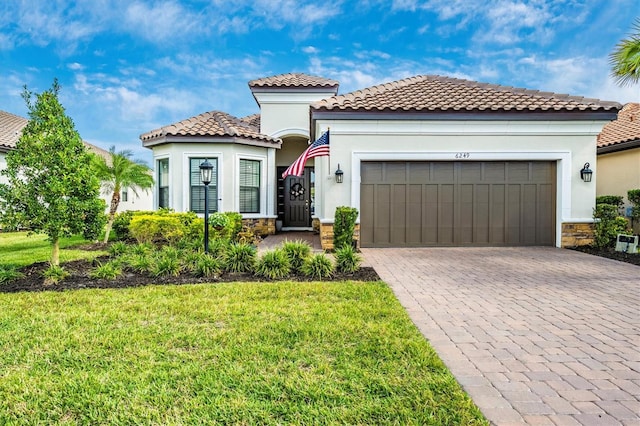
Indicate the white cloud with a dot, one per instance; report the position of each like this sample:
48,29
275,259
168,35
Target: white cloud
310,50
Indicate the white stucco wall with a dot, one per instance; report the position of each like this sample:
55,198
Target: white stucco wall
229,156
286,114
570,144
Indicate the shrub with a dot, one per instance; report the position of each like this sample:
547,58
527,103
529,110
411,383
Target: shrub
273,265
121,226
634,198
205,265
165,264
219,246
140,262
247,236
608,224
8,273
614,200
343,226
141,249
240,258
318,266
107,271
117,248
234,225
54,274
156,228
347,259
297,252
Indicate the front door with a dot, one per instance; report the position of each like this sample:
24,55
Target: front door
297,199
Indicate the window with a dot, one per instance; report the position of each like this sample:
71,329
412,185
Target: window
125,196
197,187
163,183
249,186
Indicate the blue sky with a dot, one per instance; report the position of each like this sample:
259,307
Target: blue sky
130,66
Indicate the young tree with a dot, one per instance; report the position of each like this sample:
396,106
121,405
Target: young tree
51,187
120,172
625,59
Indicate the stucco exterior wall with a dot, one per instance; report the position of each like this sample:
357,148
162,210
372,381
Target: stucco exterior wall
228,156
618,172
570,144
286,114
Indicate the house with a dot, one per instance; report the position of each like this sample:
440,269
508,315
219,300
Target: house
11,126
619,154
427,161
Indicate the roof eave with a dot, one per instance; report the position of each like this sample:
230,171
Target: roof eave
490,115
620,146
166,139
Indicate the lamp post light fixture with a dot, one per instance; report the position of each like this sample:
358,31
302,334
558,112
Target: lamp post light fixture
206,170
339,174
586,173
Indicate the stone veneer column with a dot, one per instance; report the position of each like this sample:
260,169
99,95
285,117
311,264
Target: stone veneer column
577,234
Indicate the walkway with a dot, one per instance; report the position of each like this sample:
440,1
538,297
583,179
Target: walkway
539,336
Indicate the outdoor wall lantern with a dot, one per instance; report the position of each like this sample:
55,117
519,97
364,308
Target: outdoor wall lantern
206,170
339,175
586,173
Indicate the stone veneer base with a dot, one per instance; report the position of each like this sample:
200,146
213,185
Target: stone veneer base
576,234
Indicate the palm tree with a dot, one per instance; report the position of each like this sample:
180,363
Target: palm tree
625,59
118,172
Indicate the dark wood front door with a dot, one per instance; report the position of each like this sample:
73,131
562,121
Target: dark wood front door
296,195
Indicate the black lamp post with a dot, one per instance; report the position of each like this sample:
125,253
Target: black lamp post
206,169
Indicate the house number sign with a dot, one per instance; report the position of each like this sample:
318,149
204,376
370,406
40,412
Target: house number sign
462,155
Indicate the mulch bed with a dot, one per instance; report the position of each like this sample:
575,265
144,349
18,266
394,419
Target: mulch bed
610,253
79,278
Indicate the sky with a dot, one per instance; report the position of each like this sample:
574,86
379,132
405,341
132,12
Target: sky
126,67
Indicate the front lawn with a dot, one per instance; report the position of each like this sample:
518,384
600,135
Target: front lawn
19,249
252,353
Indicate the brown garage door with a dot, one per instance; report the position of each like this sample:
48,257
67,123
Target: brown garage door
457,203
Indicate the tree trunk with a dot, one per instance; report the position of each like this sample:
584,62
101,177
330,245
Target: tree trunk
55,253
113,208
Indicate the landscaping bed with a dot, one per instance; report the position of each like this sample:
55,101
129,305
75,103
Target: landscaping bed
610,253
79,278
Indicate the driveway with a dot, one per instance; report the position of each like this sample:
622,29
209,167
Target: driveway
535,335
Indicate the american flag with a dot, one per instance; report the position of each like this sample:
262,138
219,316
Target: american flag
317,149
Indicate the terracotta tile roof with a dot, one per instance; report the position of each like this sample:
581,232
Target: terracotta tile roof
10,127
432,93
210,125
626,128
253,120
299,80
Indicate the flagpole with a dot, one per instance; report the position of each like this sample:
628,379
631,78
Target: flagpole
329,159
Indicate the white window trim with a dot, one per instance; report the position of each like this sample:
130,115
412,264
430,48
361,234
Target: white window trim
186,184
263,185
156,193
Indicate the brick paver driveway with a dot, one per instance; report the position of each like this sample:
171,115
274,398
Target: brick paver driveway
539,336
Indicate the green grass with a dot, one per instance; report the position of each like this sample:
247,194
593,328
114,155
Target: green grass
19,249
252,353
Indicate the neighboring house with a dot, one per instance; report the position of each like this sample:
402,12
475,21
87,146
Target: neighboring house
619,154
10,129
427,161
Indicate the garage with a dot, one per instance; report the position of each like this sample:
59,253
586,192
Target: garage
461,203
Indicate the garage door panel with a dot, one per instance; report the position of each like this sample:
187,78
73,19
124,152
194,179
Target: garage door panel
498,222
414,214
367,202
465,212
442,172
481,216
457,203
399,214
382,209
